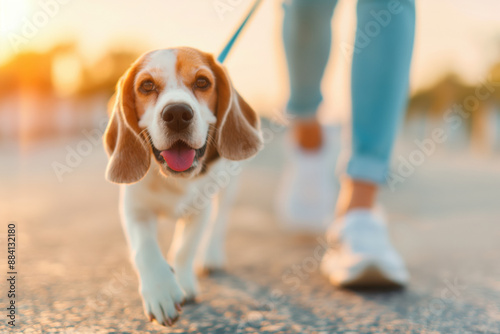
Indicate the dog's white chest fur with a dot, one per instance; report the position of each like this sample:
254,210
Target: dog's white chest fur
174,197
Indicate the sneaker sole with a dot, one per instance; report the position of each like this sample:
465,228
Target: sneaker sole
370,277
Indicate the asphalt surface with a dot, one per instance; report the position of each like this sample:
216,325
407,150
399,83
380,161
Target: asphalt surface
74,275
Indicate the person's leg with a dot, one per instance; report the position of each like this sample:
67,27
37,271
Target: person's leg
307,41
307,190
364,255
380,75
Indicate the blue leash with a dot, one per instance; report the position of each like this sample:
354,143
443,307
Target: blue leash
222,56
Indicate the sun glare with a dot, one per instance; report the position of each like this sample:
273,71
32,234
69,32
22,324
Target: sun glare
12,13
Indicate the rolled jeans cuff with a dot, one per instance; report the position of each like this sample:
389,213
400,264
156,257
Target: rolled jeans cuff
369,169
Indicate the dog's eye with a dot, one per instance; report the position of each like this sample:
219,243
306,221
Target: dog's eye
202,83
147,86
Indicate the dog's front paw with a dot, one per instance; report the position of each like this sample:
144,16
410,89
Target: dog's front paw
161,295
189,283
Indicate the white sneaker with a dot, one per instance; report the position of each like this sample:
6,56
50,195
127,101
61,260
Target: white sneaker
308,193
362,254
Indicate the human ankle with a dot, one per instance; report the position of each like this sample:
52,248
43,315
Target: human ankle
308,134
356,195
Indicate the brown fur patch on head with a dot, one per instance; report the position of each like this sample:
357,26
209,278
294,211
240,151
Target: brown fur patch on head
192,64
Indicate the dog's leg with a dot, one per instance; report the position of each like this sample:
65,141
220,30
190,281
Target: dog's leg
213,256
160,291
188,234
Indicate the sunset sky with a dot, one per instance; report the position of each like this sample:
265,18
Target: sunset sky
458,35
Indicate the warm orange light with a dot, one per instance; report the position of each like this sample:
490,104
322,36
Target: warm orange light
66,74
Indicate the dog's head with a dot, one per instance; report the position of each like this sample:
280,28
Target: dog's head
180,106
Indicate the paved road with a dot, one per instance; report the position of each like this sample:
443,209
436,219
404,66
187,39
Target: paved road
75,277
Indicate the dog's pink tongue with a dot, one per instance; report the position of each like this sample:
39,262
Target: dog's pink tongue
179,158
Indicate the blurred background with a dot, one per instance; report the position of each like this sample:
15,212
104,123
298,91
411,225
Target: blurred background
60,60
59,63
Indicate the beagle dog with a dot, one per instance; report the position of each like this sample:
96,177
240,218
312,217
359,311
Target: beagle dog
176,128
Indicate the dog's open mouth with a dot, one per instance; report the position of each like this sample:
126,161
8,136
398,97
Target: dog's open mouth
180,157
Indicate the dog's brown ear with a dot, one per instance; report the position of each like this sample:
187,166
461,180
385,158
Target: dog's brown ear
238,136
129,153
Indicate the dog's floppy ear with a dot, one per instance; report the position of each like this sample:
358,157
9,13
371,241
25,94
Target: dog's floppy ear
129,153
238,135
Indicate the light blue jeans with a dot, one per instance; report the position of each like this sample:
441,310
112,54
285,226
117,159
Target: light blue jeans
380,72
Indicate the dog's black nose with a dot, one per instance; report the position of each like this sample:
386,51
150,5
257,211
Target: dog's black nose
177,116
